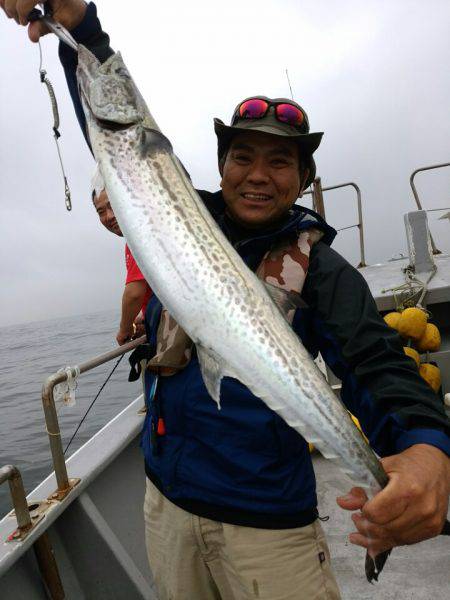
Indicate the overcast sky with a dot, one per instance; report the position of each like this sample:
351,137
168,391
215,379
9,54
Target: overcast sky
372,75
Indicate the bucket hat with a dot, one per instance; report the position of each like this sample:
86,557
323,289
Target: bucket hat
271,124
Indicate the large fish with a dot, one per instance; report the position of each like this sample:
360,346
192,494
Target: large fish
202,281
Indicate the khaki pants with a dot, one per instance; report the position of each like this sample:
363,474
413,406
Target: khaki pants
193,558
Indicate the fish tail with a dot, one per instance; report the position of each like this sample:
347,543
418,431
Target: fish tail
374,566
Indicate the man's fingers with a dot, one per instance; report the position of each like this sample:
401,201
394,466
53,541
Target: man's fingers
10,8
36,30
373,537
374,547
386,505
24,7
354,500
401,531
414,525
358,539
371,530
19,10
411,508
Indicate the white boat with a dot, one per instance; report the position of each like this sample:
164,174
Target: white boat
80,534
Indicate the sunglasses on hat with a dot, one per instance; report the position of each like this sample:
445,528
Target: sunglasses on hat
257,108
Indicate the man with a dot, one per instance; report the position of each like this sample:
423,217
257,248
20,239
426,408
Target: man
137,292
231,505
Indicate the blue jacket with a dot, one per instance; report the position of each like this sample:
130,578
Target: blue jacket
244,465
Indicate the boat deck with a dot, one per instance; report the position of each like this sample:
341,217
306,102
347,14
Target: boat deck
385,276
98,539
418,572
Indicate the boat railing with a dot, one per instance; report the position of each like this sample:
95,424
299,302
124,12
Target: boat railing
319,207
51,418
416,195
12,475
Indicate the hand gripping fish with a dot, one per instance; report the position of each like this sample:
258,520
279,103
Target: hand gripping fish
202,281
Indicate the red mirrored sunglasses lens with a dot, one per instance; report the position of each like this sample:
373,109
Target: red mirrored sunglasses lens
287,113
253,109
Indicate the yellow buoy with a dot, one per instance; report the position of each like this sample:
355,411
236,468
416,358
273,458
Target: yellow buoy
431,374
412,323
392,319
430,340
413,354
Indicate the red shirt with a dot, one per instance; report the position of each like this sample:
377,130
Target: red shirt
134,274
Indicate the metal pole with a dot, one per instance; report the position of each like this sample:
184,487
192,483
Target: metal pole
360,218
51,418
107,356
12,475
54,434
416,195
318,197
360,225
48,567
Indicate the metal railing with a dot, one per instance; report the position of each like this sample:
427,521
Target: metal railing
416,195
51,418
12,475
318,204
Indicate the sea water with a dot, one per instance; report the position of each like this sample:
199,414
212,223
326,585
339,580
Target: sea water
29,353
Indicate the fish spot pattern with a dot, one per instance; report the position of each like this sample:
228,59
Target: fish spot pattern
187,257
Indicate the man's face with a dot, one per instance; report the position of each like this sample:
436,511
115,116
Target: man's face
105,213
261,178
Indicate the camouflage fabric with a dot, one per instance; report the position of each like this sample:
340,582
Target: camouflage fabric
284,266
173,346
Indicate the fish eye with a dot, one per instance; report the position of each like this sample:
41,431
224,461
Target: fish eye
122,72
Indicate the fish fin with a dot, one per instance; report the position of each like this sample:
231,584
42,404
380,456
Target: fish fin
152,142
284,299
374,566
212,372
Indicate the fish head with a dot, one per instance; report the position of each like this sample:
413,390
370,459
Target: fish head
107,90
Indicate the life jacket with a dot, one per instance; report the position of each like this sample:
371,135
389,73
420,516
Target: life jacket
283,269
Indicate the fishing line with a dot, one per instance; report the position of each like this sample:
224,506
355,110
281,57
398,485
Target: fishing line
289,83
93,402
56,134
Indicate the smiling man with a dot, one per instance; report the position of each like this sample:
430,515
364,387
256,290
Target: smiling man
231,505
261,179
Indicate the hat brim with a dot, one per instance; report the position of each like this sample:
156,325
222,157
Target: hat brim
307,142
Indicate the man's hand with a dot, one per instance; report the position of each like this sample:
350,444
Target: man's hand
411,508
69,13
139,323
132,299
125,335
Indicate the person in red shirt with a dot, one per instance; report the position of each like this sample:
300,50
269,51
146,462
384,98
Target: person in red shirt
137,292
135,297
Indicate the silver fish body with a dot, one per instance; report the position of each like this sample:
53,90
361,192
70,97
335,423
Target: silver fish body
202,281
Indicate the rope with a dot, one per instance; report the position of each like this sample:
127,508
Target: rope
412,292
55,434
93,402
56,133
